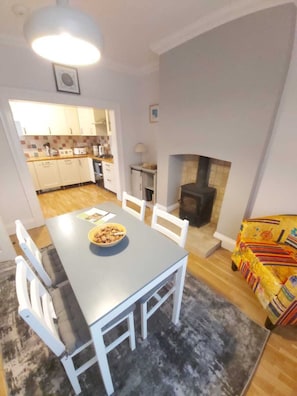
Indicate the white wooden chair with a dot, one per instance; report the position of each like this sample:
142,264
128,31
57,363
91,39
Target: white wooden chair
57,319
177,230
47,264
171,226
138,205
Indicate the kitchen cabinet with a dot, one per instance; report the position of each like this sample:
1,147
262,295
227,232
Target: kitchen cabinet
32,117
61,172
100,122
69,171
109,177
86,171
63,120
86,121
56,120
92,121
47,173
72,120
75,170
44,119
33,174
144,183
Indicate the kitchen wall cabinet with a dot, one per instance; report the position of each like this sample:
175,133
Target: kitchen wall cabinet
86,121
47,173
109,177
144,183
63,120
57,123
101,122
72,120
33,118
92,121
40,118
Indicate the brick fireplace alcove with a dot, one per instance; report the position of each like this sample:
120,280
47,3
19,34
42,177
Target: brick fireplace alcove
219,172
183,169
202,237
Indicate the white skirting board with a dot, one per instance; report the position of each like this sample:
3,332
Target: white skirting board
227,243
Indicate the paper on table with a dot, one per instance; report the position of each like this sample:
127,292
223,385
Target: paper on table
96,216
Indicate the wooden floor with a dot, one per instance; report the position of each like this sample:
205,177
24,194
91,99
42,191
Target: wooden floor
276,374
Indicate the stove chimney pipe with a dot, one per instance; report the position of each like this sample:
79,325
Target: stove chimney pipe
203,172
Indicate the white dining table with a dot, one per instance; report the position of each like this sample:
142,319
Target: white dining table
106,281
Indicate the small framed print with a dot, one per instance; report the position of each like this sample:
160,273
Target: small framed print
154,113
66,79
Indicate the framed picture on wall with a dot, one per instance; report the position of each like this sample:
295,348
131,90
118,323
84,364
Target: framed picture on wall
154,113
66,79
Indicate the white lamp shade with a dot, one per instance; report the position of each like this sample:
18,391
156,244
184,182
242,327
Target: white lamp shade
140,148
64,35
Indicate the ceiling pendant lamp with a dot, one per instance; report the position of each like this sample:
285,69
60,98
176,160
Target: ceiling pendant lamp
64,35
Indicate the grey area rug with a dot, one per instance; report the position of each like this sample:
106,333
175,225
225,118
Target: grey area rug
213,351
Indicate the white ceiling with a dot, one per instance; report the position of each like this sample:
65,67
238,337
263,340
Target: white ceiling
132,29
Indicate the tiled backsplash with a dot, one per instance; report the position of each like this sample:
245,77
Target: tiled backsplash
33,145
219,172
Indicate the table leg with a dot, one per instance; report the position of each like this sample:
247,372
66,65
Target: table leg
102,358
179,287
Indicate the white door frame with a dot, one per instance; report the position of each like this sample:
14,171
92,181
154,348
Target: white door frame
7,251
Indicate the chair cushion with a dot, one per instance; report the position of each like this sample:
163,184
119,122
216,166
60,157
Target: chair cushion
53,266
72,326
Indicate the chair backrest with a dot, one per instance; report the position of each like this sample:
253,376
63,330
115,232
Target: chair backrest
171,226
31,251
36,307
139,211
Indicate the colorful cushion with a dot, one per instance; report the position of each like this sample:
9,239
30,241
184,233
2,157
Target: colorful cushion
266,254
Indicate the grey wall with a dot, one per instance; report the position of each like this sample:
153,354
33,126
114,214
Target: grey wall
277,189
219,94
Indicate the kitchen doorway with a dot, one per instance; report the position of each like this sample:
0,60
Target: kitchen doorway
29,203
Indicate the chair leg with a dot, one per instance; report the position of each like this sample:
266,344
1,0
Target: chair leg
268,324
143,311
131,331
70,371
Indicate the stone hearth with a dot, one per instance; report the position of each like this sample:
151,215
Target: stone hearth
201,239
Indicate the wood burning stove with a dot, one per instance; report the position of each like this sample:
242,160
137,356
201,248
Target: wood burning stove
197,198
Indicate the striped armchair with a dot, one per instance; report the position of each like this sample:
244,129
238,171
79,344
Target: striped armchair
266,255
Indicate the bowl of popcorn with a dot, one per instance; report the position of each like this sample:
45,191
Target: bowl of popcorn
107,235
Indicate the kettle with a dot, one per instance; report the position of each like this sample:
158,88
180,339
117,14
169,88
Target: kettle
47,148
101,150
95,150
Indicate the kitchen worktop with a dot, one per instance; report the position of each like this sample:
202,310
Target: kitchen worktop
143,167
57,157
